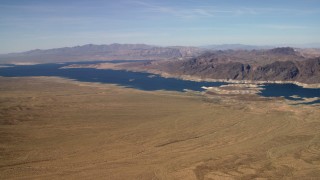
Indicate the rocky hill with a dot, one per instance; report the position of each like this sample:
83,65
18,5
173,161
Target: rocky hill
279,64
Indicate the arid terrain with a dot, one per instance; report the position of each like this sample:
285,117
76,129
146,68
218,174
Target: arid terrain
53,128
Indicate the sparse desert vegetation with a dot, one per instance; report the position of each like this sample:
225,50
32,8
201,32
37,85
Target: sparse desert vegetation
54,128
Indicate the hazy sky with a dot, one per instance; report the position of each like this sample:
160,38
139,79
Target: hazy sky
31,24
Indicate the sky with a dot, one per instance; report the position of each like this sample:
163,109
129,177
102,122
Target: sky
43,24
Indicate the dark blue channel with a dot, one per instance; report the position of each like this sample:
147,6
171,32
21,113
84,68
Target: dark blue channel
145,81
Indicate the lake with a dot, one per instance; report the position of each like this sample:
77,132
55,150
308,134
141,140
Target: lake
144,81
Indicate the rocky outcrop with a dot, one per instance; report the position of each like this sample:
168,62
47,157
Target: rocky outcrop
283,51
283,71
310,71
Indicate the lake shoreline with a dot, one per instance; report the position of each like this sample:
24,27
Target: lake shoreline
189,77
149,80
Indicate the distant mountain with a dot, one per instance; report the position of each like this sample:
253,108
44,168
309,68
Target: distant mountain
101,52
92,52
235,47
309,45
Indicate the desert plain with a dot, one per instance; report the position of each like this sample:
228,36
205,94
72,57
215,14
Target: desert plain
54,128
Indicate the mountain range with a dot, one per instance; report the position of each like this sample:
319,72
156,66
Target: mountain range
236,62
92,52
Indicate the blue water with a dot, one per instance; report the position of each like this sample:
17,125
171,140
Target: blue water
144,81
287,90
138,80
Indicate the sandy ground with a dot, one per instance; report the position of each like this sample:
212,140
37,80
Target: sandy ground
52,128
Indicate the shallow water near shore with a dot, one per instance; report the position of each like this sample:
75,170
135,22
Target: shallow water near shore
146,81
